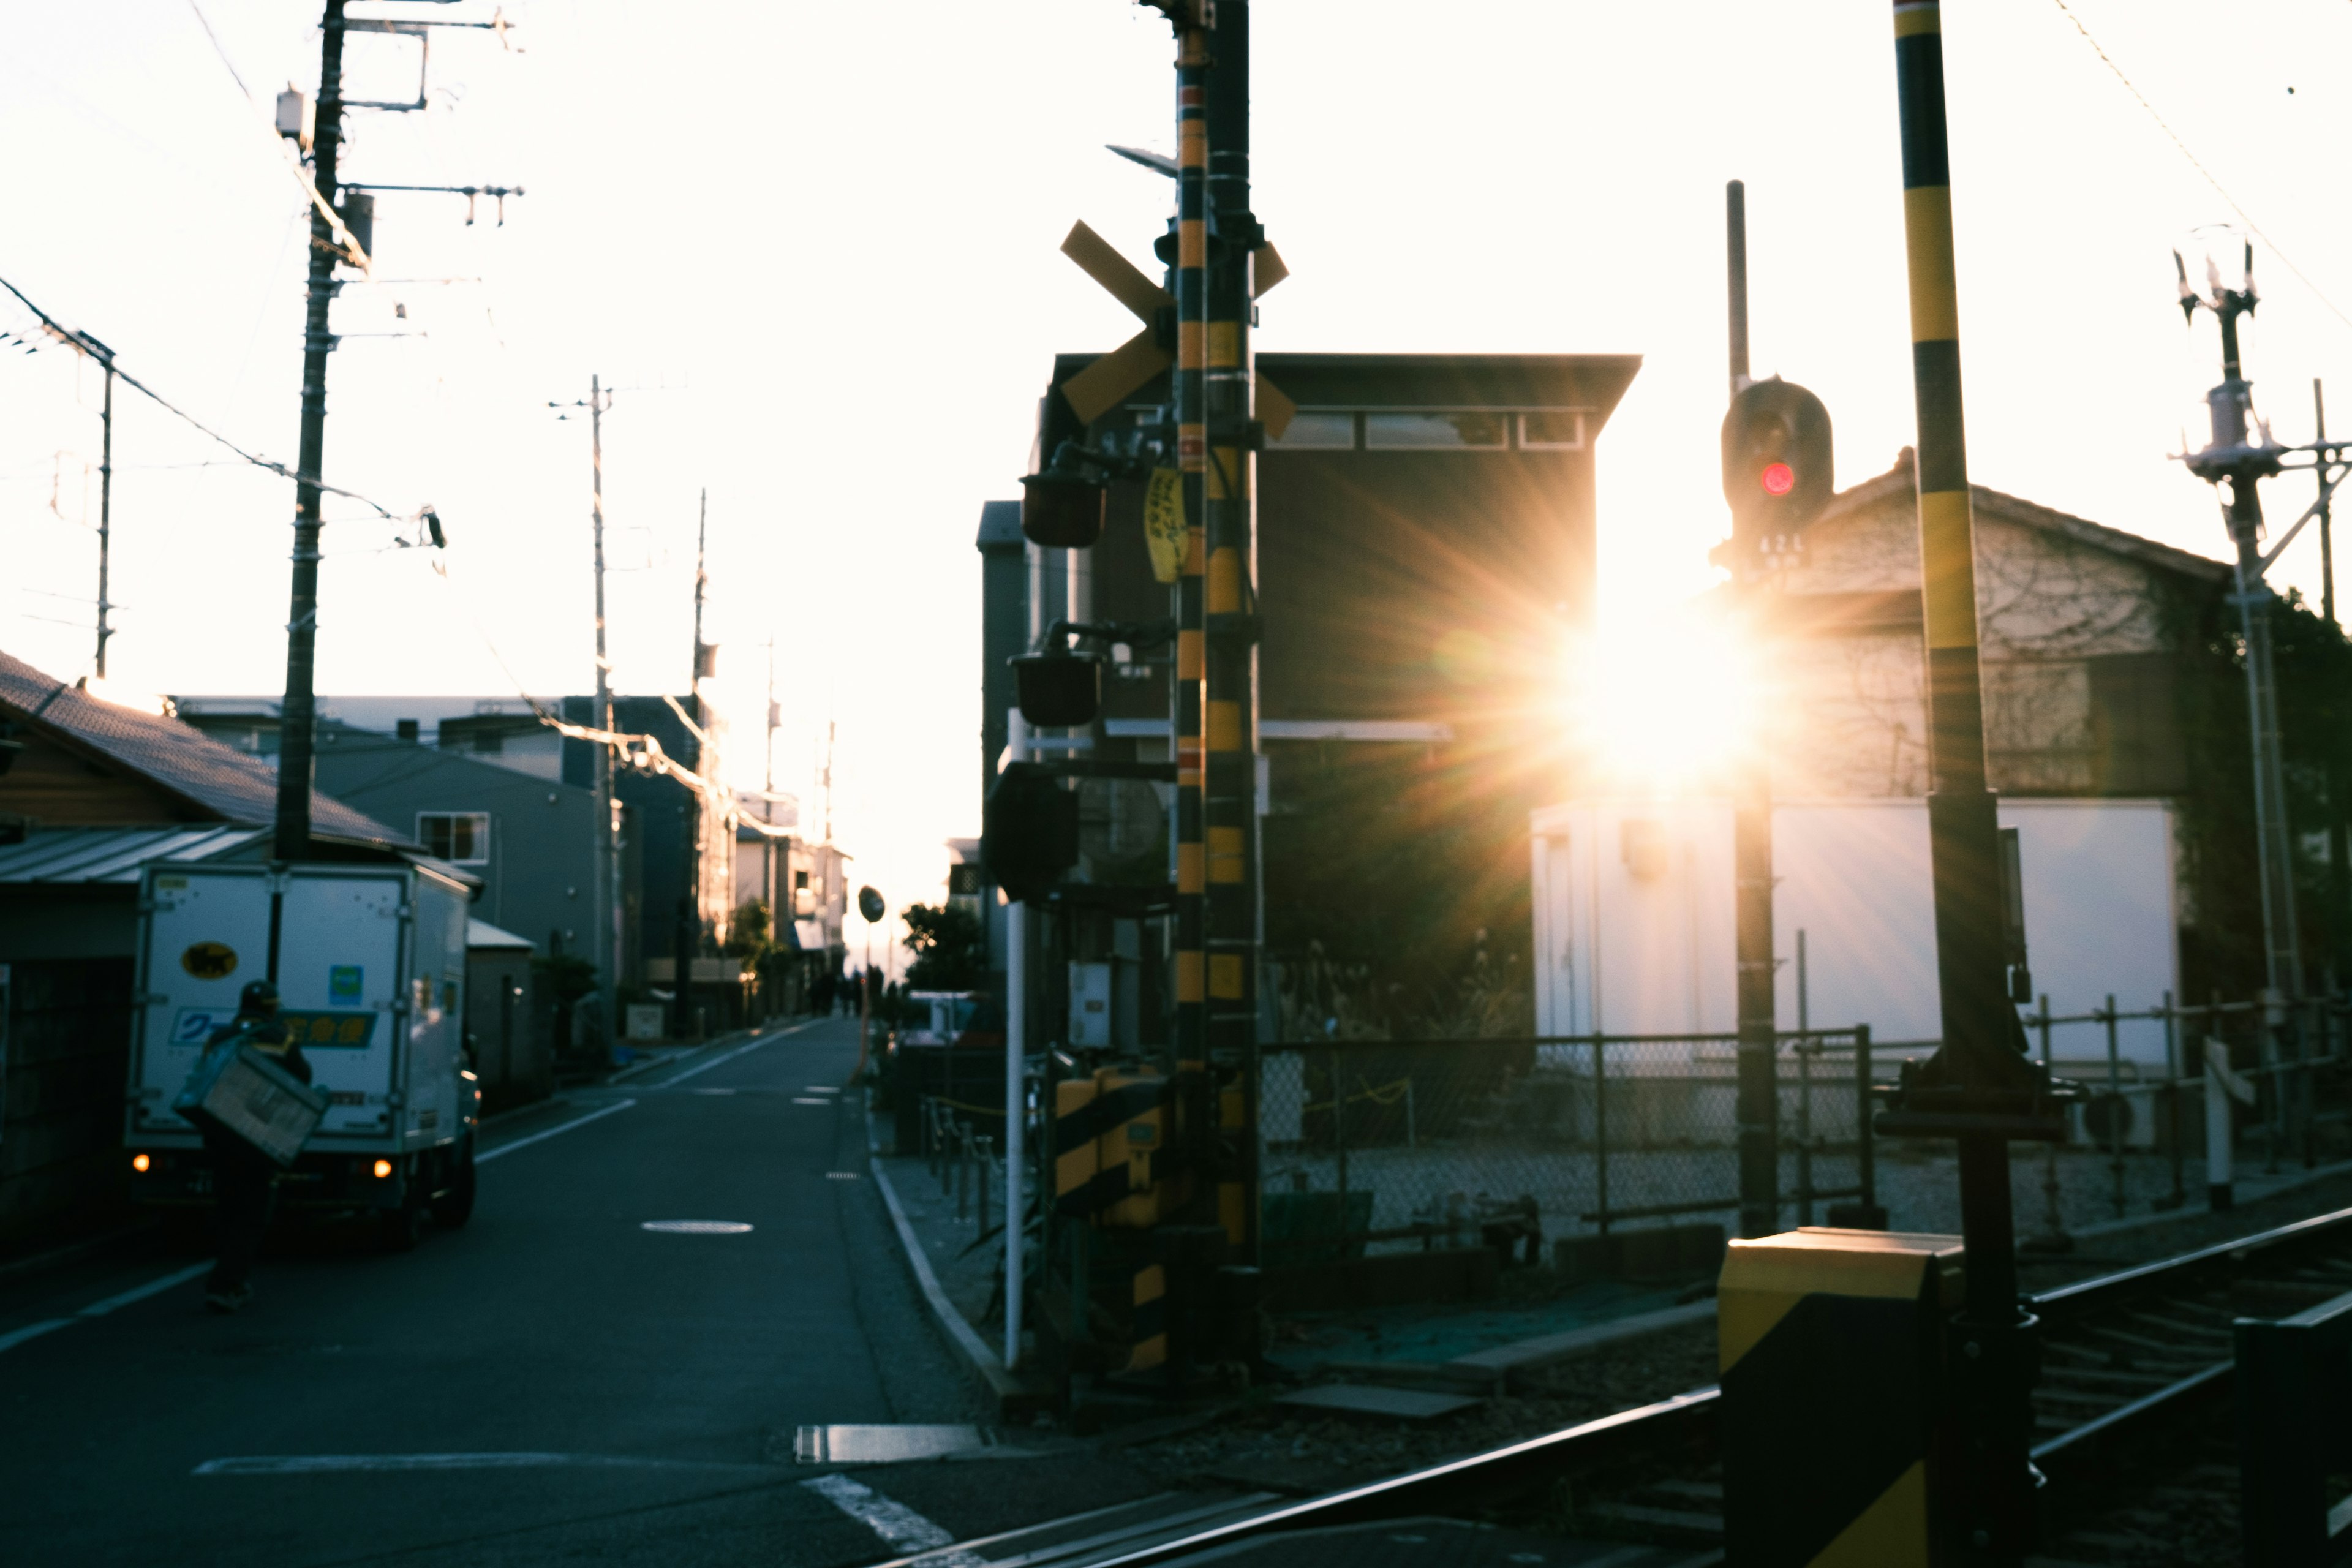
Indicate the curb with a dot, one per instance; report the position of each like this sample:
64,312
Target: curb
1015,1396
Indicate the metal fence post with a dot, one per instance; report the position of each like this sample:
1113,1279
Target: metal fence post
1601,1130
1866,1146
1804,1129
2115,1107
2054,1218
2172,1102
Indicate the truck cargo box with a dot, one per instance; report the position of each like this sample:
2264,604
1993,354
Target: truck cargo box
372,972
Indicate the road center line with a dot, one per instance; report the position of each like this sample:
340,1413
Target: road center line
488,1154
897,1525
731,1056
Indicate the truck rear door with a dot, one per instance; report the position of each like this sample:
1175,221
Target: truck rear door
339,961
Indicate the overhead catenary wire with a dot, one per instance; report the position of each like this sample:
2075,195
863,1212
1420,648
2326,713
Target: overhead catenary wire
2194,161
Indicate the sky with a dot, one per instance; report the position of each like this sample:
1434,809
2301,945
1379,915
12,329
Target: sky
814,249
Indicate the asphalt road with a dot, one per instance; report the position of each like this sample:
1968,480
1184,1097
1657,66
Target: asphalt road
552,1384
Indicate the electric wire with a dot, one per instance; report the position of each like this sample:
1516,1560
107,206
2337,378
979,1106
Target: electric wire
69,336
2244,216
344,238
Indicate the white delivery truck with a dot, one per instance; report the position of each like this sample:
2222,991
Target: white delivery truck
371,978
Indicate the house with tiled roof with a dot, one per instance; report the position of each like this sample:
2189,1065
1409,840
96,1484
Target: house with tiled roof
91,792
2088,637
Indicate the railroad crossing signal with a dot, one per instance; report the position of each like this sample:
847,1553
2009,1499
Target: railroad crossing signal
1775,469
1098,389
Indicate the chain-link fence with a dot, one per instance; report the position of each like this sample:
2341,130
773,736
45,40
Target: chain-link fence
1370,1145
2142,1134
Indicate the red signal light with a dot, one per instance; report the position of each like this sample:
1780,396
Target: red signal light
1778,479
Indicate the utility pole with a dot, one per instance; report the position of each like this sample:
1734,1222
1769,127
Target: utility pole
2339,841
296,713
1979,1087
2240,456
1758,1094
688,938
768,890
106,504
607,913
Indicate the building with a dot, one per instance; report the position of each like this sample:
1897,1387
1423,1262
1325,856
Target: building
677,875
805,890
2090,639
89,794
1426,544
2109,671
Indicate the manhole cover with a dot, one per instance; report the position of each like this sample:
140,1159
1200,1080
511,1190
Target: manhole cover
697,1226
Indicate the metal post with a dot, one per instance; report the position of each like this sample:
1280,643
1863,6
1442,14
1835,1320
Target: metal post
297,714
2221,1158
1017,1070
1758,1097
2339,790
105,511
1804,1089
1866,1143
1229,802
2179,1195
1979,1086
1189,386
2115,1107
606,914
685,939
1601,1130
2053,1237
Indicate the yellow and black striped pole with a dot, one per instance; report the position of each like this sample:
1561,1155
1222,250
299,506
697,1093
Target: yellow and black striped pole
1977,1088
1230,802
1191,391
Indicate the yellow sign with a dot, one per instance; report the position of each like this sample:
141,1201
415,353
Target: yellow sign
1164,524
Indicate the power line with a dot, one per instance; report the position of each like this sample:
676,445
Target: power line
71,337
2247,218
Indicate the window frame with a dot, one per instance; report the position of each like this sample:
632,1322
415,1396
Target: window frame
481,833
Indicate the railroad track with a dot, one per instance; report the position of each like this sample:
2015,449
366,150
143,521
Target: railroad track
2123,1355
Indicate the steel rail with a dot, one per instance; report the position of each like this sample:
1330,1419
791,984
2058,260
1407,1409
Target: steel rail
1688,1419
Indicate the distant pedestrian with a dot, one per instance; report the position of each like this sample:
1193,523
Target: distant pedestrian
245,1180
821,994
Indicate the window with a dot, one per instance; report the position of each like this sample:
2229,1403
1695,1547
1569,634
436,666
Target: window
1319,429
1434,431
1552,430
460,837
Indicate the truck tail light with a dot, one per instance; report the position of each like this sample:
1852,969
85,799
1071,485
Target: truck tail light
383,1169
140,1162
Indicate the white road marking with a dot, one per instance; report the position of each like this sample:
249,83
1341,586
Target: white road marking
697,1226
731,1056
821,1088
841,1176
15,1336
709,1092
321,1463
810,1100
895,1522
489,1155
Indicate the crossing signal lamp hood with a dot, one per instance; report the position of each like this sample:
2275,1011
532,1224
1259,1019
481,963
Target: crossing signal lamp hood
1057,689
1062,507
